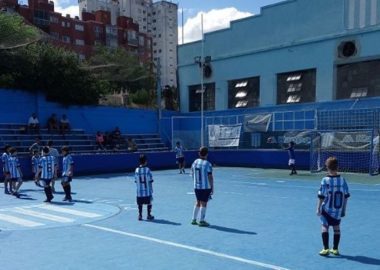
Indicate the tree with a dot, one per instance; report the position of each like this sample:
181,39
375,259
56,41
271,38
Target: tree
15,33
121,69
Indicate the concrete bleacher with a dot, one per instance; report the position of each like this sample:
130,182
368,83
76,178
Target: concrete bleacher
78,140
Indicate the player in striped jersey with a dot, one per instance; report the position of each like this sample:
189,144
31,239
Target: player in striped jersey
67,172
201,171
35,163
53,152
180,157
4,161
15,171
144,187
47,170
332,202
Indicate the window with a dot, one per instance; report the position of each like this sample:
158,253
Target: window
244,93
195,94
54,19
79,42
79,27
296,87
358,80
66,24
66,39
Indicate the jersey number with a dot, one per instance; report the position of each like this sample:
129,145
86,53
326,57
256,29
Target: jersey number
198,176
336,199
142,180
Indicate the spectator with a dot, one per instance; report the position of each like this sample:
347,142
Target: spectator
117,138
52,123
33,123
65,124
100,141
132,146
36,146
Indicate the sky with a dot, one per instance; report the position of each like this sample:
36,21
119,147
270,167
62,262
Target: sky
217,14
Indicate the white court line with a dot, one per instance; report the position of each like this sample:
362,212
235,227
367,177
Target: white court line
19,221
69,211
201,250
42,215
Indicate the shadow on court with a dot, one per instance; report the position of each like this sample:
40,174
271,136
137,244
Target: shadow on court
230,230
359,259
165,222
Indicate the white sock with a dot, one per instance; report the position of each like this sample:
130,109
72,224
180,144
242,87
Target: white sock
203,213
195,212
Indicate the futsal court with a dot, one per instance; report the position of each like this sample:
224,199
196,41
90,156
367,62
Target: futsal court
260,219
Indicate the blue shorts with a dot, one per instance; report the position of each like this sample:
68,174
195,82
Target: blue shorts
202,195
327,220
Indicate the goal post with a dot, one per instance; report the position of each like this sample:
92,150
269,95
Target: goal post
356,151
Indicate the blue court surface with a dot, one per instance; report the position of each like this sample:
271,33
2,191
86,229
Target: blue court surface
260,219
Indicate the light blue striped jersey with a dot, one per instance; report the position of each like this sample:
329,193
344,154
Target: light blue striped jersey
54,152
35,163
4,161
47,165
14,167
200,170
178,151
67,161
334,191
143,180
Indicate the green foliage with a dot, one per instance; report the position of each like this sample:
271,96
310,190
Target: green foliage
121,69
14,32
141,97
60,75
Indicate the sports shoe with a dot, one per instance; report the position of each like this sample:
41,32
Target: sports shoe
335,252
203,223
194,222
139,217
6,191
150,217
324,252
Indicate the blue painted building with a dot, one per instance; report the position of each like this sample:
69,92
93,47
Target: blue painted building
295,51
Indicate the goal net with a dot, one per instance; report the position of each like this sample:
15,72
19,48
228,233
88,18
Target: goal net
356,151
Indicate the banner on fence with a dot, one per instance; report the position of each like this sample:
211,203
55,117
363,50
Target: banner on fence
258,122
224,135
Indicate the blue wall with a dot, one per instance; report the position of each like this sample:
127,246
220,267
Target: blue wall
17,106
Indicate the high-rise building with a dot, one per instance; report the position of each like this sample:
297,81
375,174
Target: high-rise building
158,20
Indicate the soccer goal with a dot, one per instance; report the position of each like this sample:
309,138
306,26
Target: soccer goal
356,151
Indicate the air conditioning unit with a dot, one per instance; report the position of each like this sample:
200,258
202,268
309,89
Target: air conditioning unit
347,49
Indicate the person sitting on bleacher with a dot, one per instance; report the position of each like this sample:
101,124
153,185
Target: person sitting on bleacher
100,142
64,124
52,123
33,123
117,138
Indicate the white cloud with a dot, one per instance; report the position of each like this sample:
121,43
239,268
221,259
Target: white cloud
73,10
213,20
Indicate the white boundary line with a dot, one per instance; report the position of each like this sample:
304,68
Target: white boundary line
201,250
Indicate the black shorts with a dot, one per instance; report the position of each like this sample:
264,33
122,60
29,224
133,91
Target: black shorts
180,160
326,218
202,195
144,200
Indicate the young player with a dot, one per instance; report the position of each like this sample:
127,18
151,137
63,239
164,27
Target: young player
144,187
292,158
15,171
67,173
4,160
331,207
35,162
201,171
53,152
47,170
180,158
